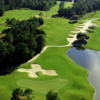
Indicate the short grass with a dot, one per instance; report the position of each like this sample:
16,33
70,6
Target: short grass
25,14
57,29
97,22
94,40
53,58
74,78
77,85
91,15
43,86
56,58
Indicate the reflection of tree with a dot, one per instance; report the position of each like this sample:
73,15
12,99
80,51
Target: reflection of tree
80,48
81,40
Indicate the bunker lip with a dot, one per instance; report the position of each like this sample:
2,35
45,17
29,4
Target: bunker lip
36,68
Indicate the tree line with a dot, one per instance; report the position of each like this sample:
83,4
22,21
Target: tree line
27,94
80,8
6,5
23,40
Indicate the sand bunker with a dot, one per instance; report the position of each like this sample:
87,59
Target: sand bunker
35,68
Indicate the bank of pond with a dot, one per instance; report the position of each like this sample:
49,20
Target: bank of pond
90,60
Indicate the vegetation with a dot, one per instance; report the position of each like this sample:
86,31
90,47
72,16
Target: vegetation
55,33
81,7
19,94
52,96
94,40
76,85
81,39
22,41
32,4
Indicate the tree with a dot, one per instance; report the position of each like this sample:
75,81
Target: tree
82,36
29,92
40,14
52,96
75,17
1,10
40,42
9,37
41,21
22,51
61,6
16,93
92,27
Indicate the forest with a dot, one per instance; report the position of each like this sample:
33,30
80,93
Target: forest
22,41
80,8
6,5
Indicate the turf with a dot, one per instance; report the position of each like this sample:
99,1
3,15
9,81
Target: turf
56,58
57,29
43,86
25,14
76,85
91,15
94,40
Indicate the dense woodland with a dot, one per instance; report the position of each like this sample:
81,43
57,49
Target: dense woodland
32,4
22,41
80,7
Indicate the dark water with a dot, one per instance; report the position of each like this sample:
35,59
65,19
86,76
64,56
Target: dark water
90,60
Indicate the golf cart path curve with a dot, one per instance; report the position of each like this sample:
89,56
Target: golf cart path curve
82,29
36,67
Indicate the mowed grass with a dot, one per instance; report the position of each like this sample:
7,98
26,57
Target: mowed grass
53,58
26,14
56,58
97,22
57,30
91,15
43,86
94,40
77,85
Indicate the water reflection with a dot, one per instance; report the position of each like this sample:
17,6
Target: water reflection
90,60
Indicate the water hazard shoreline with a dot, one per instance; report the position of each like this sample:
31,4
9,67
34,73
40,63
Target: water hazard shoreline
90,60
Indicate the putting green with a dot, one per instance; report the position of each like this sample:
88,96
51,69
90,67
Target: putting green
43,86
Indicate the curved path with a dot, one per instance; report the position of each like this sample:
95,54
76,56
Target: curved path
79,28
82,28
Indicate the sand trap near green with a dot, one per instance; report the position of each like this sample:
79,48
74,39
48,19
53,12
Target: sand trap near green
37,68
43,86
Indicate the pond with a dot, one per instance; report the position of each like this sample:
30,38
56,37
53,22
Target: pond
90,60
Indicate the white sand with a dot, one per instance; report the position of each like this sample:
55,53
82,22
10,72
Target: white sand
35,68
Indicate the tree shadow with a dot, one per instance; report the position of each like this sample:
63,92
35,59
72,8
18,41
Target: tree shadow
90,31
54,15
5,30
72,22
